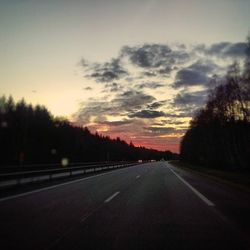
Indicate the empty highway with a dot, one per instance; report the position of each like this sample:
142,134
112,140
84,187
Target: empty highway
149,206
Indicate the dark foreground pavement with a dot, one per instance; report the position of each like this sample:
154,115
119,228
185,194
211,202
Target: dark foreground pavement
150,206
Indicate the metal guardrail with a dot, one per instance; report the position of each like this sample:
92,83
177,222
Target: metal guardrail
42,166
24,177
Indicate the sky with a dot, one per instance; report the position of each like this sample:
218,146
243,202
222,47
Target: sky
137,69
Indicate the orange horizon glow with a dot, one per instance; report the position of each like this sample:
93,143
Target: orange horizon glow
157,143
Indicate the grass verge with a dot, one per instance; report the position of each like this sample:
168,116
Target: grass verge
236,179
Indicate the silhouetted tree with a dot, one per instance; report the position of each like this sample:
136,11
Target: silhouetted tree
219,135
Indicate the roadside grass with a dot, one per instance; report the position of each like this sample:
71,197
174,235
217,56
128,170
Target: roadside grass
236,179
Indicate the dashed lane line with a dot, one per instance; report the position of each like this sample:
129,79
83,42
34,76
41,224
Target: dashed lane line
111,197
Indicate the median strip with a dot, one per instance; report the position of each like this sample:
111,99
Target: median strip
111,197
201,196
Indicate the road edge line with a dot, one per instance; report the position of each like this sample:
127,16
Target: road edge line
200,195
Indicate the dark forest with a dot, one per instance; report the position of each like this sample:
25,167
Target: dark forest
31,135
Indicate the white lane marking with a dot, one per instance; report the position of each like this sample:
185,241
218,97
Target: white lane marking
54,243
201,196
138,176
86,216
58,185
111,197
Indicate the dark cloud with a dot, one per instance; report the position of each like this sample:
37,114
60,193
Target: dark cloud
195,98
224,49
236,50
147,114
156,105
180,56
166,70
148,55
217,48
117,123
133,100
106,76
150,85
155,56
198,73
149,73
189,77
88,88
106,72
113,87
205,66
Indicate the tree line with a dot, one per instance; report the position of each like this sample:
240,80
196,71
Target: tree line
219,134
31,135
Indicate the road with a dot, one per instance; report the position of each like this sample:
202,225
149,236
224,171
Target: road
149,206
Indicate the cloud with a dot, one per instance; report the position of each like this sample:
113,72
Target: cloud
106,76
223,49
198,73
133,100
106,72
179,114
149,73
189,77
150,85
166,70
147,55
113,87
196,98
217,48
160,130
236,50
83,62
156,105
117,123
171,122
88,88
125,103
130,102
147,114
160,60
154,56
204,66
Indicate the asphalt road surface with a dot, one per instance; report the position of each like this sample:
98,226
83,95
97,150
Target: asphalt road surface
149,206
